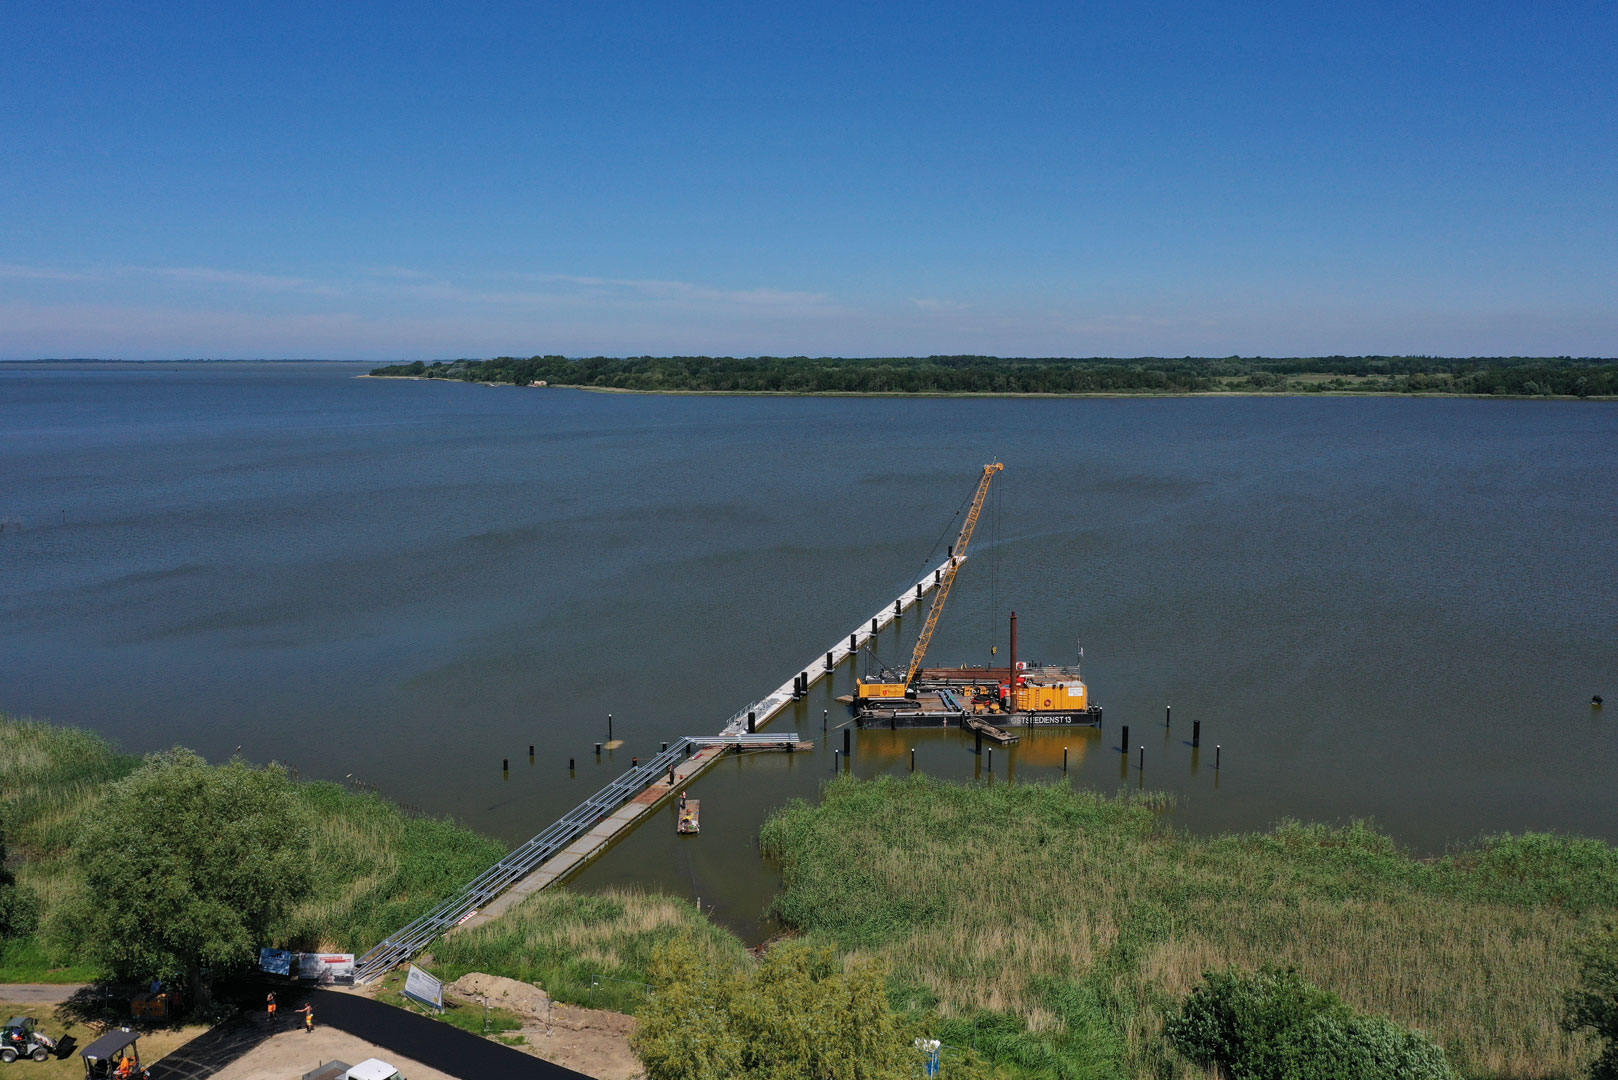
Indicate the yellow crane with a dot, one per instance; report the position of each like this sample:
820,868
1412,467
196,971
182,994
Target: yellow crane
958,553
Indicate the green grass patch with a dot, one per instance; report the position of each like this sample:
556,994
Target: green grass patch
1058,928
583,949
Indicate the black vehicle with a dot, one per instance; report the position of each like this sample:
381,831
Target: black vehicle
114,1056
20,1038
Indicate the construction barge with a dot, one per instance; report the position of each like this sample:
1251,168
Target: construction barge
982,699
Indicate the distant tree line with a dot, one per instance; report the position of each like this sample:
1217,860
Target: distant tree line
1516,375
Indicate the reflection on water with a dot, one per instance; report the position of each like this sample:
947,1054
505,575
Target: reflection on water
1391,608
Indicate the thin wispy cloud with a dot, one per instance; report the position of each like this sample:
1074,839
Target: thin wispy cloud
14,272
213,275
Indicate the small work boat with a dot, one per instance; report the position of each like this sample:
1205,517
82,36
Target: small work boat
690,820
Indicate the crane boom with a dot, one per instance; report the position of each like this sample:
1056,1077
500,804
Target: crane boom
965,538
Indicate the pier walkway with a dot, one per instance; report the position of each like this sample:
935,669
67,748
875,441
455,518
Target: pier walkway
591,827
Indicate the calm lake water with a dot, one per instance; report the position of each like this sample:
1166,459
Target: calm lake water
1387,608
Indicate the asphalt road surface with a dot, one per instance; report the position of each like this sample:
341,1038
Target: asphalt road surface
433,1043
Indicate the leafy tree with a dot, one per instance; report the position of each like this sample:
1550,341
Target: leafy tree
1593,1006
185,868
685,1033
800,1014
1272,1025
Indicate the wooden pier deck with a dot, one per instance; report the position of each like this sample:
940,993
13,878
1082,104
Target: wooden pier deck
584,833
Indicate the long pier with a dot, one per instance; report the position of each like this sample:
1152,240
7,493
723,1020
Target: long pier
591,827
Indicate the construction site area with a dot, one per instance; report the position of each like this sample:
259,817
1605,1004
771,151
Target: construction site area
989,702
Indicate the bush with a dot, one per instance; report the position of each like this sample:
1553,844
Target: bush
1272,1025
800,1013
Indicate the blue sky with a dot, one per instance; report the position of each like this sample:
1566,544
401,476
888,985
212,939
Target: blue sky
420,180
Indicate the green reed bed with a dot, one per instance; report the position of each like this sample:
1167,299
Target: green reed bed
585,949
1058,928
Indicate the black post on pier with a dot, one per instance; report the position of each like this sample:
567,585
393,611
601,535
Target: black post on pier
1196,734
847,742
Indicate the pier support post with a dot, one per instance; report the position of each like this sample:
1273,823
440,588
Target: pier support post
836,762
828,662
825,715
847,742
1064,761
752,721
978,747
897,610
609,727
570,765
1142,765
912,759
873,626
665,748
936,574
918,590
991,759
505,764
530,753
1123,740
598,750
1168,715
1196,733
1216,757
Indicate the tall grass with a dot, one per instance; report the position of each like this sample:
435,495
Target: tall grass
375,868
581,948
1067,925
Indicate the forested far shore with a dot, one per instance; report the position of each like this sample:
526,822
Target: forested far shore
1511,376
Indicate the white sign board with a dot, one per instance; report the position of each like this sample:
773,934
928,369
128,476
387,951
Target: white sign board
326,968
424,988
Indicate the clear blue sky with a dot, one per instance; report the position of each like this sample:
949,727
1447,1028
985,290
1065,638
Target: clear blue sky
434,180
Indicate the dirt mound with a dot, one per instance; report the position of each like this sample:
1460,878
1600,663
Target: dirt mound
522,998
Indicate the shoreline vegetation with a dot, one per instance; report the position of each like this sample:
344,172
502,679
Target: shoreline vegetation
1040,930
1513,377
